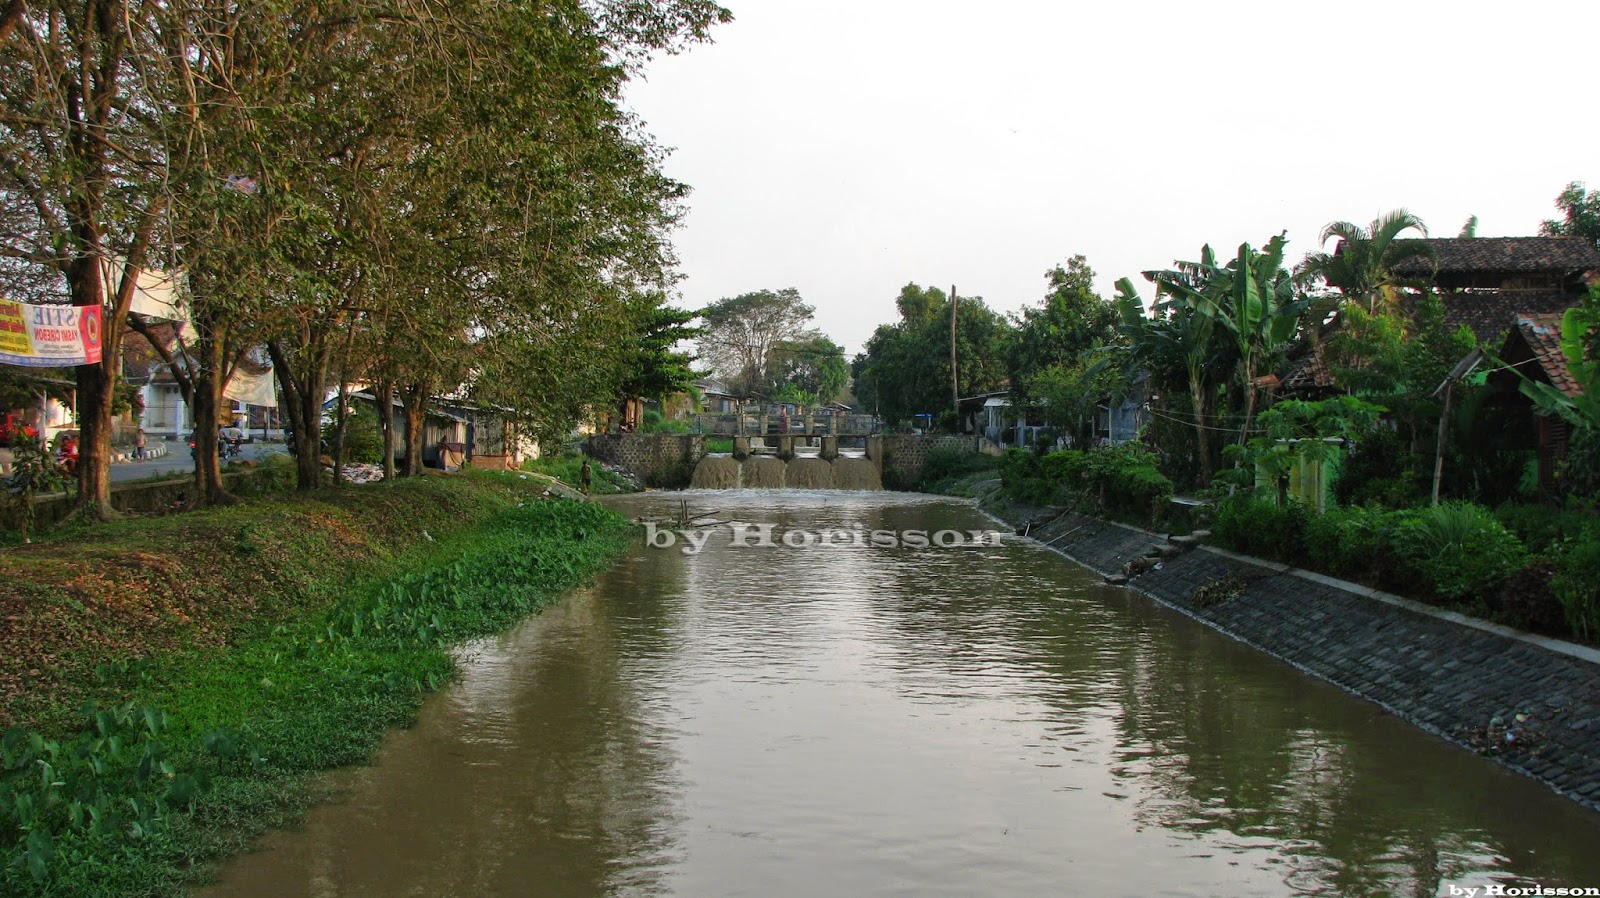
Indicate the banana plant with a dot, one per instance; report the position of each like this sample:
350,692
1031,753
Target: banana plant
1253,298
1186,336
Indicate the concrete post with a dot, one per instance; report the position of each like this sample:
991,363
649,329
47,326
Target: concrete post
741,448
875,451
830,448
786,447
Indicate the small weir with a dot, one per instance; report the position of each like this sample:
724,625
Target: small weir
788,462
765,472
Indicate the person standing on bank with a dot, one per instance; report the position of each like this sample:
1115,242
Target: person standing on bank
585,476
138,444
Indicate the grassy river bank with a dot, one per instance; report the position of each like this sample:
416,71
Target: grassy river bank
170,685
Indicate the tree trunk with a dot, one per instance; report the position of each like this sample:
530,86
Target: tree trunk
1249,399
303,401
1197,400
414,401
341,419
96,385
205,404
95,388
383,393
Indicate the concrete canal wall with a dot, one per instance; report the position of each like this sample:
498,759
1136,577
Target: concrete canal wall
1529,702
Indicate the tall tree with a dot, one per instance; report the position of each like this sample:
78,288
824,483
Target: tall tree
81,179
1071,320
1580,214
905,368
813,367
1178,348
740,334
657,368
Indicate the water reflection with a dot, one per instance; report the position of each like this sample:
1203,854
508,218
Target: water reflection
898,721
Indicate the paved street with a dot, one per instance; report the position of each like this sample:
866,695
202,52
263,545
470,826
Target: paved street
177,460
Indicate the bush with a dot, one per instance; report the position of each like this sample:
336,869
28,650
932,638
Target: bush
655,422
1459,550
1541,527
1023,479
1262,529
1577,584
363,440
1349,542
1122,479
1528,600
1382,469
947,465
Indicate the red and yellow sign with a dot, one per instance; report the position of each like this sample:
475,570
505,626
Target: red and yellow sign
50,336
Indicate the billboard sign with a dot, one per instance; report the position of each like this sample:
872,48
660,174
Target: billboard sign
50,336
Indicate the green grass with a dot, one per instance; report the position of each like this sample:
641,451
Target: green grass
567,469
308,674
723,445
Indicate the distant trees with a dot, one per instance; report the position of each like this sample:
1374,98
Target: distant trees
763,344
1046,353
740,334
905,368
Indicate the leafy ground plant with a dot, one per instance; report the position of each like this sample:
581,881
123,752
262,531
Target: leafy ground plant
181,755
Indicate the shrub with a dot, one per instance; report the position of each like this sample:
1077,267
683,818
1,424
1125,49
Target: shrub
1263,529
1382,469
1541,527
363,439
1459,550
1528,600
1120,479
1023,479
1577,584
655,422
1348,542
946,465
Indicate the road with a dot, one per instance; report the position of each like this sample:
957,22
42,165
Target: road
178,461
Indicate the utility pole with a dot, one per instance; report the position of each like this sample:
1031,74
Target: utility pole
955,389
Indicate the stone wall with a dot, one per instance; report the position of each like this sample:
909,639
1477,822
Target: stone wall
905,454
664,460
1465,680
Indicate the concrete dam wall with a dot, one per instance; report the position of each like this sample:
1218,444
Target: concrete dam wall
802,473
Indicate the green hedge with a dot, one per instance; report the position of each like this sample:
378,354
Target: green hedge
1122,481
1455,552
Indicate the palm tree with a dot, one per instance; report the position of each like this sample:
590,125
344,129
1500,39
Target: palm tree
1362,265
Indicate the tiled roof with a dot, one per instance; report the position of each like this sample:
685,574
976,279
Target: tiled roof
1490,313
1307,372
1543,334
1488,254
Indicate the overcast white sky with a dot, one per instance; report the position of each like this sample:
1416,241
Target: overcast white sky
846,148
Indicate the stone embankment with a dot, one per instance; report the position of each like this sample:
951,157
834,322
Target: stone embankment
1529,702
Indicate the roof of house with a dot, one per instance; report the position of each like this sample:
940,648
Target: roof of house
1490,254
1542,332
1491,313
1307,372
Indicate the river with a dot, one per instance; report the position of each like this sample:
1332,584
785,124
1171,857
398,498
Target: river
857,719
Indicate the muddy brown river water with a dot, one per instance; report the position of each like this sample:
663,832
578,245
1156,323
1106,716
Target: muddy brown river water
870,720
